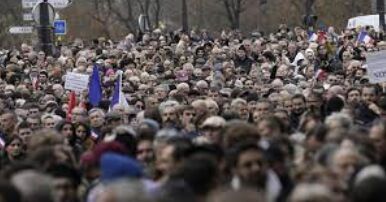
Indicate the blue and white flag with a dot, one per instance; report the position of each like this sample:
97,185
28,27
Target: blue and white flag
364,37
118,96
95,88
312,37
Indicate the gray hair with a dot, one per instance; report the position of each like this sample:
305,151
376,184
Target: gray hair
34,186
164,135
97,110
238,101
168,103
344,120
124,190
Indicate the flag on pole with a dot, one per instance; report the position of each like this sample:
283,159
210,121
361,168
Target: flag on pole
95,88
71,105
118,96
312,36
363,37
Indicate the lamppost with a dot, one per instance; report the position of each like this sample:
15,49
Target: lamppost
185,26
44,15
381,12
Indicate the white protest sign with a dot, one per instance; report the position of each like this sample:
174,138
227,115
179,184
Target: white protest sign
377,74
58,4
76,82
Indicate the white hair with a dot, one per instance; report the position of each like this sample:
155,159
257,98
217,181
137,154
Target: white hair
344,120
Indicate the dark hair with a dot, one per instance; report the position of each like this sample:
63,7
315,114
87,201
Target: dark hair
85,126
182,147
199,173
65,171
352,89
236,151
371,189
299,96
23,125
9,193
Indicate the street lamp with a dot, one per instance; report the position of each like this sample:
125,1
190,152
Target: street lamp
44,16
381,12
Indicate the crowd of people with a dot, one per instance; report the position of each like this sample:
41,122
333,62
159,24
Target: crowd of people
277,117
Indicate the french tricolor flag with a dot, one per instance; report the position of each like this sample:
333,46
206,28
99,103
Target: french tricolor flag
2,143
363,37
312,37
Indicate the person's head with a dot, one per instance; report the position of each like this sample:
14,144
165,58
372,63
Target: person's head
113,119
211,129
172,154
8,121
240,107
169,116
82,131
248,163
79,115
236,131
66,180
66,129
24,131
199,172
369,94
282,71
370,189
48,121
34,123
378,138
187,114
161,92
263,107
339,121
212,107
33,186
270,126
123,190
298,104
15,147
145,151
345,162
353,96
241,52
8,192
314,101
306,192
96,117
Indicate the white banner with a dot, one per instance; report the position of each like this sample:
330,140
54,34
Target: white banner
377,72
76,82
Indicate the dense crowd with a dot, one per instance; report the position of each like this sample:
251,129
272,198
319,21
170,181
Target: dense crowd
287,116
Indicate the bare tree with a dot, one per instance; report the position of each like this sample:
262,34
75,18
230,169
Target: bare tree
157,6
102,14
234,8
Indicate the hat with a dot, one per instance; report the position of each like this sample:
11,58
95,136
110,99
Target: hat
214,121
115,166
